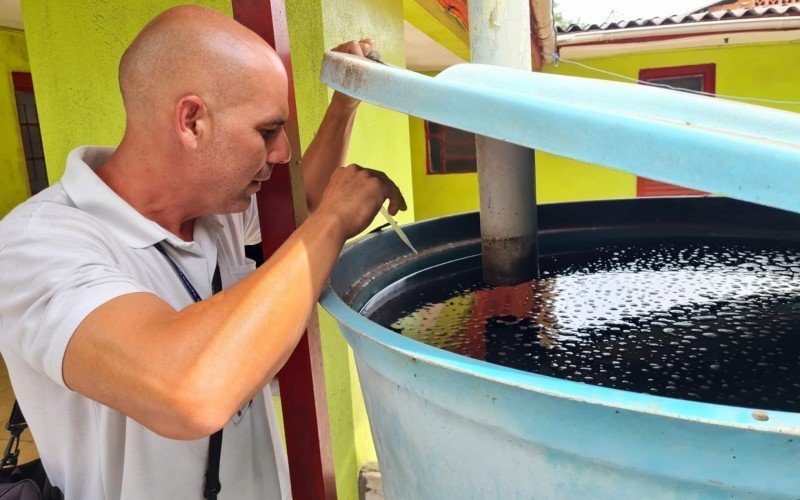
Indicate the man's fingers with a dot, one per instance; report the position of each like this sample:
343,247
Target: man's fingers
353,47
396,200
360,48
367,46
378,173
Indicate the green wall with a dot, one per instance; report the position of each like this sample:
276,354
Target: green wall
761,70
380,140
75,48
14,187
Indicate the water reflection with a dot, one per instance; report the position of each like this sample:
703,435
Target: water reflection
710,322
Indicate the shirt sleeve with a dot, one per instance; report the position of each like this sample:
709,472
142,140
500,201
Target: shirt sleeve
51,279
252,226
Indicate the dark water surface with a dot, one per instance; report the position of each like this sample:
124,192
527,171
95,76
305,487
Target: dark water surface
711,322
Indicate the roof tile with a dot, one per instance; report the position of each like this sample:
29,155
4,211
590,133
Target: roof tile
706,16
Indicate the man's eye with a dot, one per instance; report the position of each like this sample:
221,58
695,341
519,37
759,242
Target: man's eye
269,133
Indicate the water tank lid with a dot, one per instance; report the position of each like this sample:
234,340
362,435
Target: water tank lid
743,151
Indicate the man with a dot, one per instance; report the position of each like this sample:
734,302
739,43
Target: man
122,377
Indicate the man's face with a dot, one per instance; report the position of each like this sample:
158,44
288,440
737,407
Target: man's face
247,139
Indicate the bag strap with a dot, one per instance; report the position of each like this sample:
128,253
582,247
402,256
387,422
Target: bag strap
16,419
16,425
213,486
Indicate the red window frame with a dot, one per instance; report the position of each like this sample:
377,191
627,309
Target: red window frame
648,187
22,82
445,158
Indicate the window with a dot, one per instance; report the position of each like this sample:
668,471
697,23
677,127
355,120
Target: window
450,150
696,78
29,131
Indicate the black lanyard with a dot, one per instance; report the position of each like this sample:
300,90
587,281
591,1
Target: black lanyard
216,281
212,486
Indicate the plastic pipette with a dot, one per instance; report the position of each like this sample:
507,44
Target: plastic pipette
397,229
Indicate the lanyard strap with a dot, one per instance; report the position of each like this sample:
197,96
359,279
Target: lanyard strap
212,487
216,281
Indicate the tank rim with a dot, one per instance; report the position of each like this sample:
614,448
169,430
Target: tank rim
779,422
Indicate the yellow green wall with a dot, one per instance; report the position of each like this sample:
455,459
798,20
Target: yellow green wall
763,70
14,187
74,49
380,140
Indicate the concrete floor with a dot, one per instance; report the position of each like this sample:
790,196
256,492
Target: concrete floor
27,450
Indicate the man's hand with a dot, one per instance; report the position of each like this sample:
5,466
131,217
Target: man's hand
361,48
355,194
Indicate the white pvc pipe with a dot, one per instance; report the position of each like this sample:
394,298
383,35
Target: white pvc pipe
500,35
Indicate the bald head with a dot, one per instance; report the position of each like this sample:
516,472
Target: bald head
206,100
192,50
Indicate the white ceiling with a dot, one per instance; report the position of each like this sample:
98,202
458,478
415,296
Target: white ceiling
10,14
422,52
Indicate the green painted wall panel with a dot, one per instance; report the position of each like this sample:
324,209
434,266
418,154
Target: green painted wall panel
14,187
381,141
74,49
307,42
340,387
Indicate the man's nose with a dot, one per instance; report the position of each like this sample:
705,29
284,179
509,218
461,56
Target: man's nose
281,151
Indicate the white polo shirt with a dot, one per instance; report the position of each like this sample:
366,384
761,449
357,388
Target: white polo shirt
70,249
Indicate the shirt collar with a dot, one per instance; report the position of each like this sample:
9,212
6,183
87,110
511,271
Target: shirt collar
92,195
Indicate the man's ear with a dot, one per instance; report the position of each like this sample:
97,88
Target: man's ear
192,121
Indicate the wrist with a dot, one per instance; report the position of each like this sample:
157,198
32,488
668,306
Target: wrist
330,223
343,105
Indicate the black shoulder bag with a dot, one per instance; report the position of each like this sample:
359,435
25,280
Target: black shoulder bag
212,486
27,481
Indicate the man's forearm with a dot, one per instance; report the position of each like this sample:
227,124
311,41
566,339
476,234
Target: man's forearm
183,374
253,327
328,150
